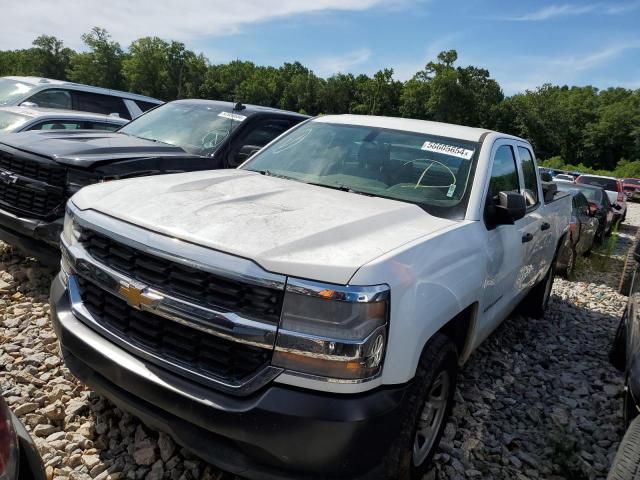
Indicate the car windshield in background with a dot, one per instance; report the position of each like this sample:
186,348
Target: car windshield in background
632,181
11,90
592,194
606,183
197,128
432,172
9,121
562,176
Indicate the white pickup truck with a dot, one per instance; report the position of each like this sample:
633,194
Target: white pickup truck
305,315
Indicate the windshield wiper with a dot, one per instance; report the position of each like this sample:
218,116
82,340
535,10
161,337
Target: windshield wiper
342,188
269,173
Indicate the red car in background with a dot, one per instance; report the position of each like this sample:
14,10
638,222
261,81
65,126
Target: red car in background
631,187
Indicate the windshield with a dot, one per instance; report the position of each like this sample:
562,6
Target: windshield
592,194
606,183
432,172
10,121
12,90
197,128
632,181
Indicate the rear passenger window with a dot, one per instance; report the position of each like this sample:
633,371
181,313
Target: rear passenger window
112,127
59,125
530,180
52,98
105,104
504,174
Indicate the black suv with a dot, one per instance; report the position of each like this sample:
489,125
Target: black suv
39,171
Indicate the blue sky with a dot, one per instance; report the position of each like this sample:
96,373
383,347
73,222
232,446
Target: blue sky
523,43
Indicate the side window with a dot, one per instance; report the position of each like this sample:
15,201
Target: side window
57,125
144,106
265,131
105,104
504,174
112,127
52,98
529,173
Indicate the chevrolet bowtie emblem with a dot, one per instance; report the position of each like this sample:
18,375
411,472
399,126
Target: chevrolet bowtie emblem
138,297
7,177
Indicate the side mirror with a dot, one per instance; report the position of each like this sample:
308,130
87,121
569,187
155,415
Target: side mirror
29,104
245,152
508,208
546,177
615,206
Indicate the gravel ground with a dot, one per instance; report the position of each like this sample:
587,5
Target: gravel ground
537,400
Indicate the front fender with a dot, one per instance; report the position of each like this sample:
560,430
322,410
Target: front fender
432,280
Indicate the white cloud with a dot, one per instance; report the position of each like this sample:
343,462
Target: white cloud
128,20
565,10
559,70
327,66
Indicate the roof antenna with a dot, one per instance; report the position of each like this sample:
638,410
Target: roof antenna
238,107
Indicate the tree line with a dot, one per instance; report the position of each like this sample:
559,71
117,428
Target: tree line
573,128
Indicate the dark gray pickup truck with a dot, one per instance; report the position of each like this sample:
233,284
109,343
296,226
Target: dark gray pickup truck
39,171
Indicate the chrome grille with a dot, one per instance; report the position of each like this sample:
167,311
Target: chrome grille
251,301
203,354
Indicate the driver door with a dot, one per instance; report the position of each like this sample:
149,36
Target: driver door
505,250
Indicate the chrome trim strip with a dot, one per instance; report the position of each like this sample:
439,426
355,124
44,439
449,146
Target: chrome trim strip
326,348
345,293
244,387
176,250
227,325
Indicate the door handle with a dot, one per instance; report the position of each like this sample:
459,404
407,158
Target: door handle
545,226
527,237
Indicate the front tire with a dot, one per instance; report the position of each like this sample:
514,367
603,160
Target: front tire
626,464
430,399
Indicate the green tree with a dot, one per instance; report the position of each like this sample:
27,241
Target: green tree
101,65
51,57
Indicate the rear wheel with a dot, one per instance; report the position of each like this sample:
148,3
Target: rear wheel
537,300
428,405
570,263
626,278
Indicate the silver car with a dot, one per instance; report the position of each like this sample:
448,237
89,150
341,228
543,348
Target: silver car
48,93
21,119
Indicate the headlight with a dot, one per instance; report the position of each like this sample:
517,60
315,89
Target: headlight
70,230
333,331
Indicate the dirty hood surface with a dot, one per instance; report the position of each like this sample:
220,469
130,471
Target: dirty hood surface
84,148
284,226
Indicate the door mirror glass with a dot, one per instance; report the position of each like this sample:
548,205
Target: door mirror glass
29,104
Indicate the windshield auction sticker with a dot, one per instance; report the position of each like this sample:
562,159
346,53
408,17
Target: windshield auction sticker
447,149
232,116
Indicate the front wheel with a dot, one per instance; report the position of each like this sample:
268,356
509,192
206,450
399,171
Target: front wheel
429,402
626,464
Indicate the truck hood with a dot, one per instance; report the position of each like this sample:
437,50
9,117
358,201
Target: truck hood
284,226
84,148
